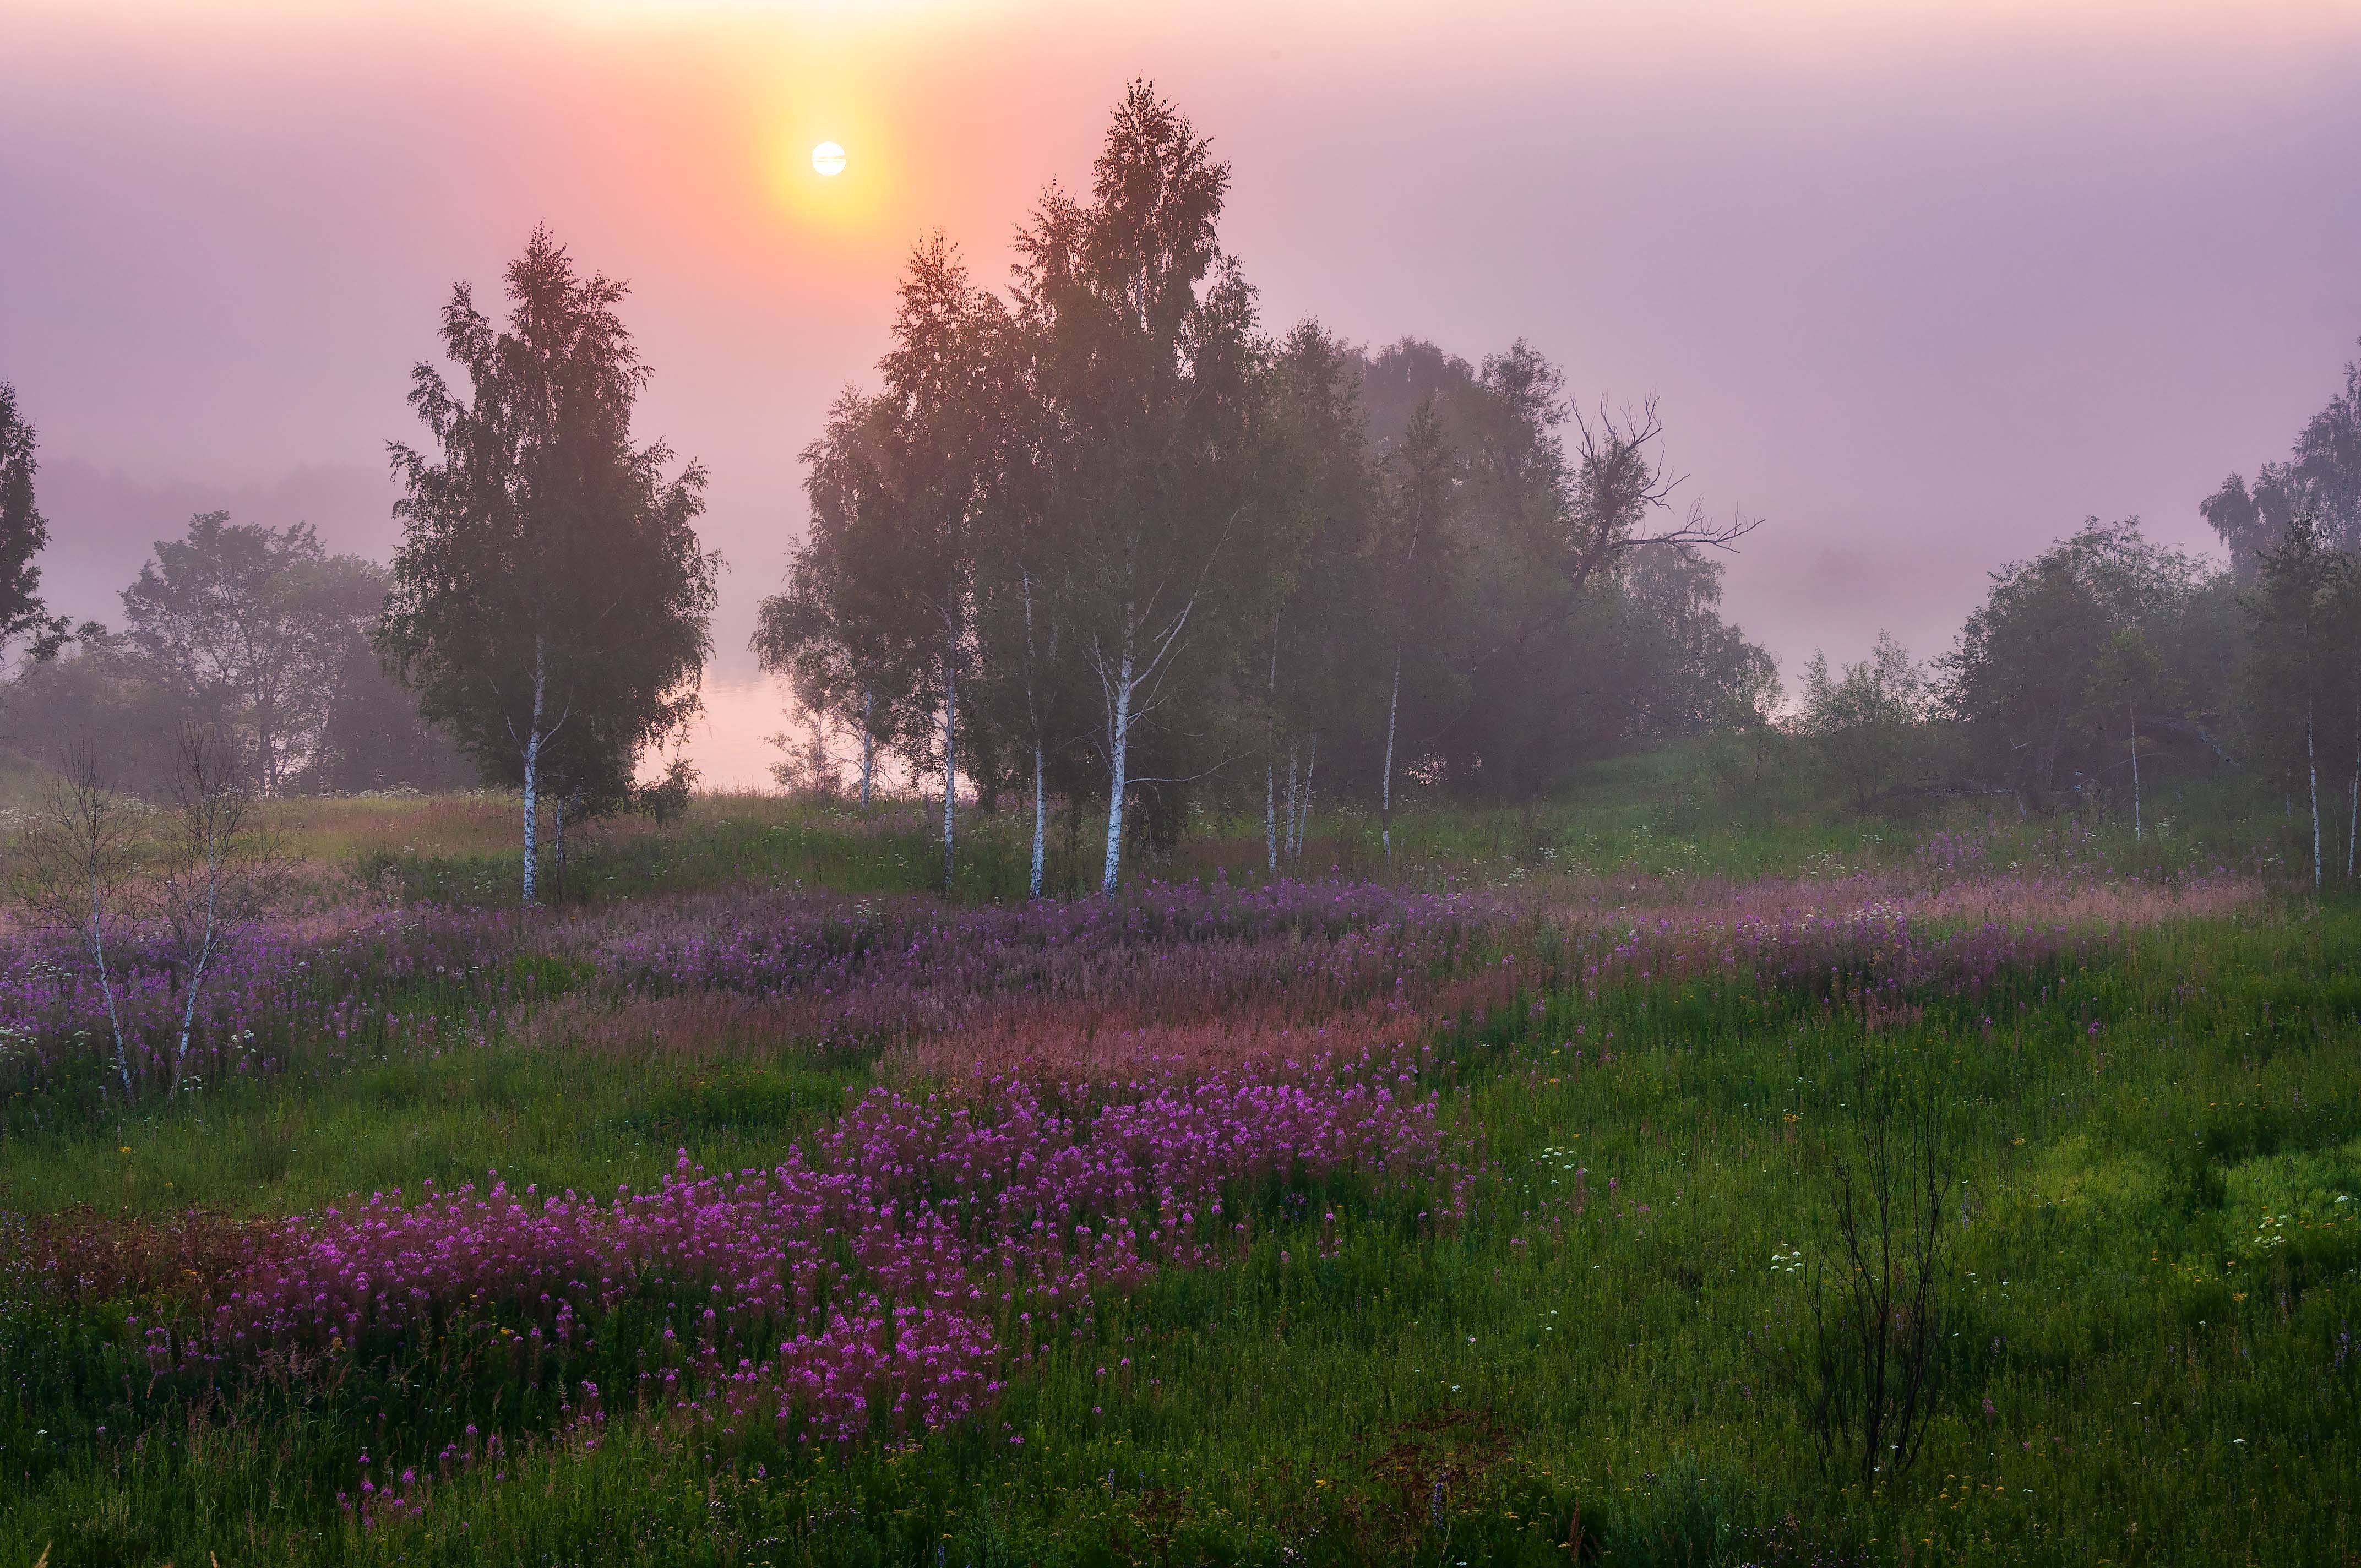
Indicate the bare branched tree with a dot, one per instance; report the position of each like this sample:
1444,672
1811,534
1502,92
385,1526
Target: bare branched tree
1621,478
1863,1358
222,872
76,872
1619,482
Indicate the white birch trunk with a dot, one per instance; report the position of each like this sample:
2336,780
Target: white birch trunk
1270,809
868,744
1303,813
532,772
1041,818
1385,780
1270,765
1293,759
950,756
1033,716
1119,740
106,990
2139,832
196,980
2312,762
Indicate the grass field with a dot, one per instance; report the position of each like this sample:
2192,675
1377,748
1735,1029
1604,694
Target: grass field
1468,1210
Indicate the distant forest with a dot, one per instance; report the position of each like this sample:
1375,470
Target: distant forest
1104,541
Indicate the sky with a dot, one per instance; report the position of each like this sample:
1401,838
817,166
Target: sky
1922,285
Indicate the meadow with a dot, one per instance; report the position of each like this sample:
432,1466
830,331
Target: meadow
759,1202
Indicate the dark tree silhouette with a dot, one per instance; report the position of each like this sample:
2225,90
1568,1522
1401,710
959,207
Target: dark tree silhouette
550,581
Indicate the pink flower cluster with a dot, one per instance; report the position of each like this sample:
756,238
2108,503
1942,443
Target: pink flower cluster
887,1272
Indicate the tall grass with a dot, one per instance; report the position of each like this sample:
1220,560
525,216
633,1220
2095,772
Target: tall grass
2144,1064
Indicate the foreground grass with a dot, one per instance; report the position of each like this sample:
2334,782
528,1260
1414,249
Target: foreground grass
2152,1360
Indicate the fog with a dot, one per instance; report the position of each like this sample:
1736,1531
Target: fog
1923,286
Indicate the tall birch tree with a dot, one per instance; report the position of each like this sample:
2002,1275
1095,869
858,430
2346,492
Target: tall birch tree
1144,335
1418,563
835,629
550,576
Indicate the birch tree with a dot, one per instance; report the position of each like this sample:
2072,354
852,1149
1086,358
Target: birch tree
1314,536
832,631
2130,675
221,875
942,422
2294,674
550,573
1143,331
76,871
1418,566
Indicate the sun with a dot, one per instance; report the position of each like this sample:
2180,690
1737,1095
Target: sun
828,158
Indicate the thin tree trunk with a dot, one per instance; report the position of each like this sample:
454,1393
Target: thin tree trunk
1386,783
1033,718
1291,791
189,1017
950,756
2312,762
1270,809
2139,831
1304,815
1270,764
868,744
533,774
1041,818
106,984
1119,739
197,973
557,842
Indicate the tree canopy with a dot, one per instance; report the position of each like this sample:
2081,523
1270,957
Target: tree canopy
550,598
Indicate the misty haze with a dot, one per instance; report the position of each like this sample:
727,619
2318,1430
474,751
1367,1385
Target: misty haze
927,783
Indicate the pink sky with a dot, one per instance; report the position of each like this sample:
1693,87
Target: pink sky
1921,284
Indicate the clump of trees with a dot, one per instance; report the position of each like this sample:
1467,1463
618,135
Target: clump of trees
1103,540
2108,659
256,637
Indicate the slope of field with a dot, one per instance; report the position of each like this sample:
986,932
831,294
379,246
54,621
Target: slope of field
755,1205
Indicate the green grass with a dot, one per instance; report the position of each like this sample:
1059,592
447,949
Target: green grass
2150,1365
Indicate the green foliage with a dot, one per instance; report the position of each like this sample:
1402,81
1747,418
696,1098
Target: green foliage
549,599
2321,477
2099,635
2156,1262
23,532
1869,722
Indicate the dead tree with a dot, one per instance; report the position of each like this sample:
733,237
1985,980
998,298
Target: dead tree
1863,1358
221,873
77,872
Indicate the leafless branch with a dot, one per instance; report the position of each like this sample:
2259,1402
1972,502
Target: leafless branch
76,872
223,871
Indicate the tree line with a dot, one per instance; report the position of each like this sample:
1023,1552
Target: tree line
2108,652
1100,545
